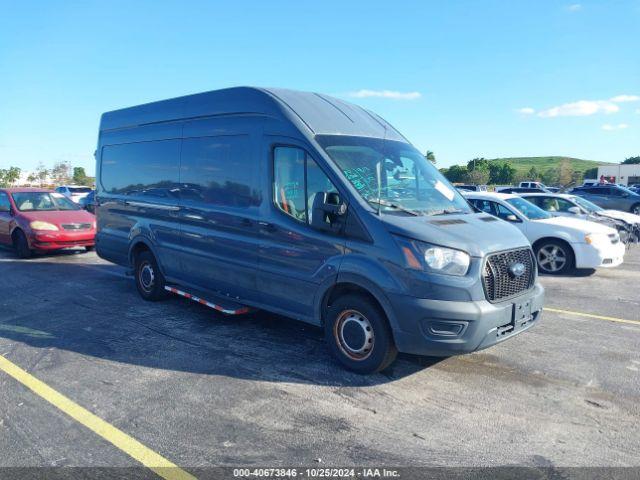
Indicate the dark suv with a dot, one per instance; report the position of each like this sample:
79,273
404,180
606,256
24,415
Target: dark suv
612,197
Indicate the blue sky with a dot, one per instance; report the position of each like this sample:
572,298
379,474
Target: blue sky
457,74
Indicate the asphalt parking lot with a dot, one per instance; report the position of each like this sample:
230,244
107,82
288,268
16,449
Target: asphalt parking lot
202,389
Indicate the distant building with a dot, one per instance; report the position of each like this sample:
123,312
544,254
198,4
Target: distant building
624,174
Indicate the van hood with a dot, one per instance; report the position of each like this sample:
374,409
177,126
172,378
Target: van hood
475,233
576,225
58,217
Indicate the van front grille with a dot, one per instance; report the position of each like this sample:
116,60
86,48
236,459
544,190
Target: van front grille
499,277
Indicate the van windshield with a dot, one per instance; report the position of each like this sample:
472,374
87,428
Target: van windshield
393,176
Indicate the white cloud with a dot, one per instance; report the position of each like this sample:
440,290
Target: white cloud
609,127
580,108
575,7
625,98
526,111
392,94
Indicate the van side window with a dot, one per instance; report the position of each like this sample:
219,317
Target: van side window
144,168
297,179
219,171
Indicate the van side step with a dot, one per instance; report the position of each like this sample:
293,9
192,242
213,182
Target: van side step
223,306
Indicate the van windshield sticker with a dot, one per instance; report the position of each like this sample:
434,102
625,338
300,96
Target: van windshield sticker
363,179
444,190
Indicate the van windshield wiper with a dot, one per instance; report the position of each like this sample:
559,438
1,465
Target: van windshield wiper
452,211
395,206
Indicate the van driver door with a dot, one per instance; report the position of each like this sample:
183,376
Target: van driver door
294,258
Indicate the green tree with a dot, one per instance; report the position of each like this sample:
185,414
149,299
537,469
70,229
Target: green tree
80,176
551,176
478,171
455,174
507,173
632,160
533,174
501,173
9,176
32,178
430,156
478,164
479,176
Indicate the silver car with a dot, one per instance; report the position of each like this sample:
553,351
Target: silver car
612,197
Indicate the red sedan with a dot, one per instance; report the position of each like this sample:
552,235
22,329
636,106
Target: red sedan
34,219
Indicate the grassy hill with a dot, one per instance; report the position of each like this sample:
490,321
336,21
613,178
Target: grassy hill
524,164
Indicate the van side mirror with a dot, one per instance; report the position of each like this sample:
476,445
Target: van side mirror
5,208
326,211
574,210
512,218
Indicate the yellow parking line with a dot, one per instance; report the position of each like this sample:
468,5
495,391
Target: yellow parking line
111,434
590,315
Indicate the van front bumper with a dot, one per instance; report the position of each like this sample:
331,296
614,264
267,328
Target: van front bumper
444,328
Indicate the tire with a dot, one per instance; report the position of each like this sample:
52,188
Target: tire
90,248
635,209
356,319
21,245
555,257
149,279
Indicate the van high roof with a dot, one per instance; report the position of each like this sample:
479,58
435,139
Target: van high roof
314,112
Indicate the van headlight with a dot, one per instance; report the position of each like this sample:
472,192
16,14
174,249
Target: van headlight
40,225
447,260
443,260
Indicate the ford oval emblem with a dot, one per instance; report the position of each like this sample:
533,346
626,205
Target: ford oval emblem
517,269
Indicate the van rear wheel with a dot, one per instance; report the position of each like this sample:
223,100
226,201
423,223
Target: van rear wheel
358,335
149,279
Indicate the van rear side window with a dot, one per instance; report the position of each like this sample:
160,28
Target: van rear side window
145,168
219,171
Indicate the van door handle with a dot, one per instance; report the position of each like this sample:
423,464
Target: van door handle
246,222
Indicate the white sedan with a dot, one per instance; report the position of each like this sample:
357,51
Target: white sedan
75,193
560,243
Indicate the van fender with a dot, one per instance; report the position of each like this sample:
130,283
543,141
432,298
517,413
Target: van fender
355,276
145,240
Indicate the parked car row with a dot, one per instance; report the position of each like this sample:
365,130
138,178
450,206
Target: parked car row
568,205
560,244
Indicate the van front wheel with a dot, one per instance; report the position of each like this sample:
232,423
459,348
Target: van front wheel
149,279
358,335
